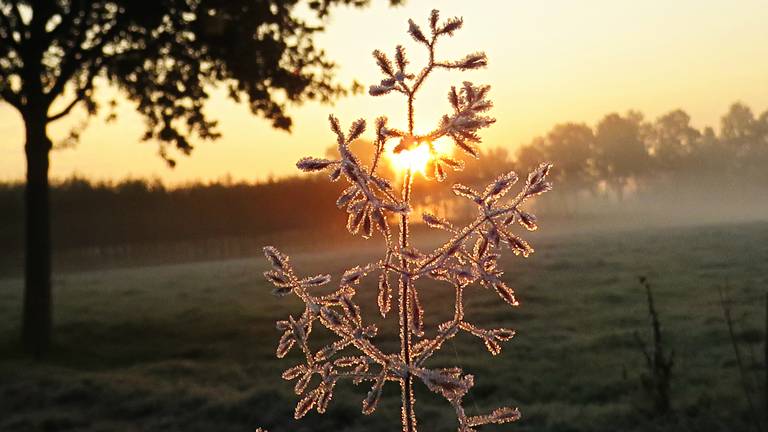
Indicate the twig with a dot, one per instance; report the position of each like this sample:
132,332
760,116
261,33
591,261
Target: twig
658,362
726,307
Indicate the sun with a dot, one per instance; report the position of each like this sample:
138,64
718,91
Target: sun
415,157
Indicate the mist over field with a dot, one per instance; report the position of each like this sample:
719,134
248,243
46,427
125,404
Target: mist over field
136,223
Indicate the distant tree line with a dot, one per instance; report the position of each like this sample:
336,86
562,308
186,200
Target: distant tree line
626,153
140,211
623,156
661,162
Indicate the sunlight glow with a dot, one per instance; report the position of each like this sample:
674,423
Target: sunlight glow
415,157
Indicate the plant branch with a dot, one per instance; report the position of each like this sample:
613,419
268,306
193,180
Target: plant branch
368,200
408,416
726,308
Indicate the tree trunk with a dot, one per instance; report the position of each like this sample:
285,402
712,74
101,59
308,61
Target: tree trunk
620,189
36,326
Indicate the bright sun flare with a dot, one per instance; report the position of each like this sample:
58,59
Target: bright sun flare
418,157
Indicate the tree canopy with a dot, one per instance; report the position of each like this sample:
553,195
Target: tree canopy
165,56
627,148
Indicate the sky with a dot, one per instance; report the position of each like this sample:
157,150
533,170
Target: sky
550,61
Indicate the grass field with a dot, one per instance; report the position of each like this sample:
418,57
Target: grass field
190,347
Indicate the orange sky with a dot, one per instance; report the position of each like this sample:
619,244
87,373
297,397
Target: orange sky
550,61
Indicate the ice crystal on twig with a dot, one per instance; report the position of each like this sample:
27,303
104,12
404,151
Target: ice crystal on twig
470,256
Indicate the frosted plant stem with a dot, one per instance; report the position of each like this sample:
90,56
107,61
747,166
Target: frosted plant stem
406,384
410,116
370,200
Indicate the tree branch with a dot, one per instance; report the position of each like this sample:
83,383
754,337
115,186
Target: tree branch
81,93
67,109
67,19
8,38
70,64
17,14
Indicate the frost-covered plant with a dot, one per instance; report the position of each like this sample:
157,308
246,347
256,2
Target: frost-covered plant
469,257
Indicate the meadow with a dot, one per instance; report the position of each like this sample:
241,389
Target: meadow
190,346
